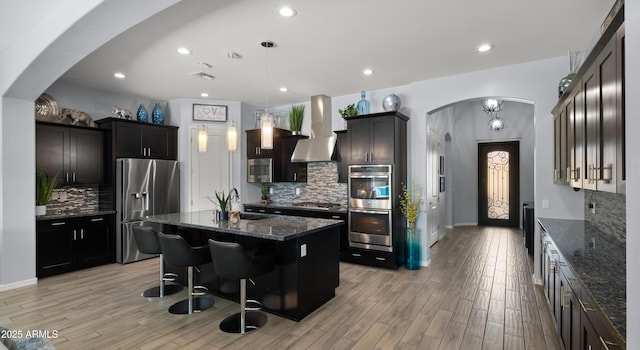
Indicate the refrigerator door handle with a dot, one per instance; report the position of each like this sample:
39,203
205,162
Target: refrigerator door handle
146,201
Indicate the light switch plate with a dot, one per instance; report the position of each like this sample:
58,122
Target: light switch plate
545,204
303,250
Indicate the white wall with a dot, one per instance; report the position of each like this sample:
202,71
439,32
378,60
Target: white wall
632,118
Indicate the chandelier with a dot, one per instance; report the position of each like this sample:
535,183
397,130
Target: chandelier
492,107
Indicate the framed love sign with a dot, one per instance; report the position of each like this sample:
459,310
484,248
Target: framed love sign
214,113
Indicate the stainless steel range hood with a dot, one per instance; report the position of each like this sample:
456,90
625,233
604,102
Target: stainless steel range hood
319,147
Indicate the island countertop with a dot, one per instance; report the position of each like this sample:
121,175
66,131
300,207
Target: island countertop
265,226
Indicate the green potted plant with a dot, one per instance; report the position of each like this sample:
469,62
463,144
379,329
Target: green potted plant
264,189
296,115
349,111
223,201
44,189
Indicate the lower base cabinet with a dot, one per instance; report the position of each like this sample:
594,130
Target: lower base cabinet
64,245
579,321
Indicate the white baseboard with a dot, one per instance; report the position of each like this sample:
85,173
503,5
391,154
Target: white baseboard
18,284
426,263
448,227
536,280
466,224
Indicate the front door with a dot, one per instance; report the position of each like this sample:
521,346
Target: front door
498,183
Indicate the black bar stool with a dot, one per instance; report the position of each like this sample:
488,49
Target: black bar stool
148,243
180,254
231,261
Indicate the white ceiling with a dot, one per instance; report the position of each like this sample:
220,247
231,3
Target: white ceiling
324,49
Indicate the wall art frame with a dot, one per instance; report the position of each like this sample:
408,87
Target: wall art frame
210,113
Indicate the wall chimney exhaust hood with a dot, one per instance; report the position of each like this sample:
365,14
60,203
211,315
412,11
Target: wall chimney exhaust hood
319,147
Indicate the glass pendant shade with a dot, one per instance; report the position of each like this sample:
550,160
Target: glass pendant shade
232,137
203,139
266,136
496,123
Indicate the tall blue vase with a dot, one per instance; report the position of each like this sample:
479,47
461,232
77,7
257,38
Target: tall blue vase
413,251
157,115
363,105
142,115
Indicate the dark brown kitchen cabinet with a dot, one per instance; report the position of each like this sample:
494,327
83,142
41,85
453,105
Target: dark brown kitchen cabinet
341,155
74,154
594,111
283,146
580,322
254,146
132,139
560,147
69,244
290,171
373,138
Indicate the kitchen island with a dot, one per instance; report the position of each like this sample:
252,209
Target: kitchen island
306,273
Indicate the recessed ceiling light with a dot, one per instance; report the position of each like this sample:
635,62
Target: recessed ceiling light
284,89
204,94
367,71
287,11
184,51
485,47
119,75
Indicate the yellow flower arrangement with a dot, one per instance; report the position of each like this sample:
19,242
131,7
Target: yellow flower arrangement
410,204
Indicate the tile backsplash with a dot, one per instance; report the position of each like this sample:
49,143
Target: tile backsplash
322,186
610,212
74,199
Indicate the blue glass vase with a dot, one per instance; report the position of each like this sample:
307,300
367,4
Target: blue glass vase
142,115
363,105
413,253
157,115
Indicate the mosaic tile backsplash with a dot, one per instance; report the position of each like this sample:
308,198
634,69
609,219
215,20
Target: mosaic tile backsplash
611,211
76,199
322,186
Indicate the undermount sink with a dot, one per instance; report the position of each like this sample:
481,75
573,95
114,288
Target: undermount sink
250,216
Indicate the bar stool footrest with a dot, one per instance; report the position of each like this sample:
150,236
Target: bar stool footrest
253,305
169,289
253,320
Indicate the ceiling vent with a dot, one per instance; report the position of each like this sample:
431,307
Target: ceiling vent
201,73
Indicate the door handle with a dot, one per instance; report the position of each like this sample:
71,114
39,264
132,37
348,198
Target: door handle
75,235
146,201
74,176
295,176
81,233
67,177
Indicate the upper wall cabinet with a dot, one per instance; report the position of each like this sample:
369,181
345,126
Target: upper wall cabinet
74,154
131,139
376,138
589,122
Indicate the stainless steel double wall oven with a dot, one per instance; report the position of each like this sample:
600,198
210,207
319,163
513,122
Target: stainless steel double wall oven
370,207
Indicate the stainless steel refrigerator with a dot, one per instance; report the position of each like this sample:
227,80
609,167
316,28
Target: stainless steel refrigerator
143,187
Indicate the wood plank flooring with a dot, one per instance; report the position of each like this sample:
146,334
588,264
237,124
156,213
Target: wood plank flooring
477,294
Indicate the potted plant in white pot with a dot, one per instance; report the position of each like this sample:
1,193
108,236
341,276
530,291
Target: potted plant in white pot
296,115
44,189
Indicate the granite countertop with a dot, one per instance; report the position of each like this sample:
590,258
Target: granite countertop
598,259
272,227
292,206
66,214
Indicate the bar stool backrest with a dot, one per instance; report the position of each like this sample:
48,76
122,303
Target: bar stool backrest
177,252
147,240
230,260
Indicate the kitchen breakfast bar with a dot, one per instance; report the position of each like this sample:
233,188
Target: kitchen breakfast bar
306,250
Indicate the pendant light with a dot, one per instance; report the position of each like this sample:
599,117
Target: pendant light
492,106
232,130
203,138
232,137
266,125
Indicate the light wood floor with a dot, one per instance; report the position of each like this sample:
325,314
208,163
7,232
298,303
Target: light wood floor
477,294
